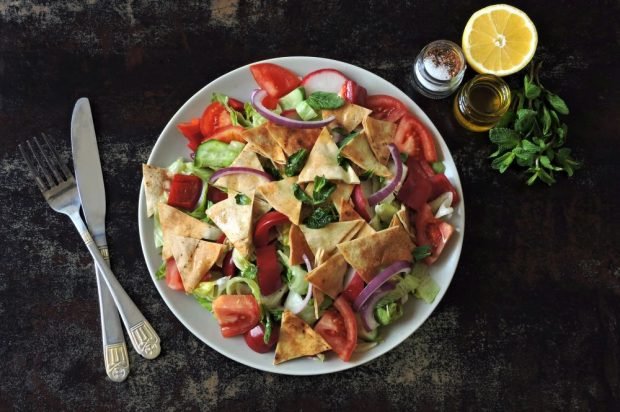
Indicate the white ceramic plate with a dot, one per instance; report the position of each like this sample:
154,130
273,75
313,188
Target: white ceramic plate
171,145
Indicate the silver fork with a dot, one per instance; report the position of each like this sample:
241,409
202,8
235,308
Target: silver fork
59,189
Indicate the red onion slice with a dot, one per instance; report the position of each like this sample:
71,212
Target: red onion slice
380,279
238,169
381,194
307,262
367,311
257,101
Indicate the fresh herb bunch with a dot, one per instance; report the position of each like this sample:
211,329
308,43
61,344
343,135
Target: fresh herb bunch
532,134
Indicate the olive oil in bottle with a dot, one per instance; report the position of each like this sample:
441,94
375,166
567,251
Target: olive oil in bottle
481,102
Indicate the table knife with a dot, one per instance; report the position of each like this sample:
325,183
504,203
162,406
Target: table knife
89,180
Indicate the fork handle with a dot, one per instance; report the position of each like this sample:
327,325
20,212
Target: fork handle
143,337
114,347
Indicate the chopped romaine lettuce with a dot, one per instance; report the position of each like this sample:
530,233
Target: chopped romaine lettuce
240,286
253,117
161,272
387,314
247,268
158,235
274,300
427,288
385,211
295,275
236,118
207,292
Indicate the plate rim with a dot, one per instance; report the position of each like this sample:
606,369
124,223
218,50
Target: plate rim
336,366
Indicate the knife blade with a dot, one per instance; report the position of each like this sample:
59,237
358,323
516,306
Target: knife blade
89,178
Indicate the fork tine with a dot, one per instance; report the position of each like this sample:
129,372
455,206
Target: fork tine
53,167
59,162
32,168
48,177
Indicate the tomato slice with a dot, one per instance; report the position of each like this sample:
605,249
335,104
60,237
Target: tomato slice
236,314
173,276
431,231
353,93
228,267
354,288
270,102
360,204
214,117
441,184
417,187
269,269
216,195
413,138
385,107
185,191
255,338
235,104
227,134
191,131
275,80
339,328
263,233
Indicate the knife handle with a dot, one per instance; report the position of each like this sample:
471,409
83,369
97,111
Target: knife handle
114,346
143,337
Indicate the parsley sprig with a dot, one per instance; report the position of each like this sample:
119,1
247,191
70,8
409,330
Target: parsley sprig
531,133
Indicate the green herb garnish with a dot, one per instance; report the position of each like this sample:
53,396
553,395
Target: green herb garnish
532,135
242,199
322,190
161,272
296,162
324,100
421,252
321,217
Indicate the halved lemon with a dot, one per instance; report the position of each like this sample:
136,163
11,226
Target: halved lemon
499,39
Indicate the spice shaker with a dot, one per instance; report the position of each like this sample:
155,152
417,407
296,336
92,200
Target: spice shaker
438,69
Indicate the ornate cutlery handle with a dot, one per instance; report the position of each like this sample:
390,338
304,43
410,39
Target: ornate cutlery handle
143,337
114,346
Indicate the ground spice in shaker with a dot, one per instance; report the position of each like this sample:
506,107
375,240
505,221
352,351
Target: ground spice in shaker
439,69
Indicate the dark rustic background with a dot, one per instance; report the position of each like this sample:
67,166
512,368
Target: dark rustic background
530,321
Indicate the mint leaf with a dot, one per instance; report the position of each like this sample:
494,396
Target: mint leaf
558,104
525,121
532,91
323,189
504,137
242,199
321,217
299,194
296,162
501,163
421,252
324,100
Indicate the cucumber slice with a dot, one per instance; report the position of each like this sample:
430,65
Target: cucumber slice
291,100
216,154
305,111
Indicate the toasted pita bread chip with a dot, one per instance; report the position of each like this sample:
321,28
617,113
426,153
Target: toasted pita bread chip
297,339
156,183
328,237
175,222
358,151
371,253
379,134
261,207
347,213
323,161
349,116
243,182
329,276
401,218
194,258
292,140
318,297
235,221
298,245
261,141
279,194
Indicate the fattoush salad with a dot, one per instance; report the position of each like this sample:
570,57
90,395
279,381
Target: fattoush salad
306,216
